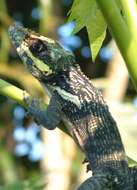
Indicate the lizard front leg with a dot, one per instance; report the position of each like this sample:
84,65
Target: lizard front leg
49,116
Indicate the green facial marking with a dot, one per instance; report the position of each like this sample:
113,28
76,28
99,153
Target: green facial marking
37,62
40,64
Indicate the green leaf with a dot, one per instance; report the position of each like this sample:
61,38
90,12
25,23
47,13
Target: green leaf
118,4
87,14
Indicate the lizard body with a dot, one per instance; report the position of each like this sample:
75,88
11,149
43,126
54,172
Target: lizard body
78,103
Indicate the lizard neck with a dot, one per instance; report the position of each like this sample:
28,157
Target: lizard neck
93,127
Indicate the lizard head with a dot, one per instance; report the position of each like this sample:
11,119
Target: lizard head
42,56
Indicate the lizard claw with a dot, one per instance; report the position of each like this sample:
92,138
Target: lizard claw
85,161
88,168
25,97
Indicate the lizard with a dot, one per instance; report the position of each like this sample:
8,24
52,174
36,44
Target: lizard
80,105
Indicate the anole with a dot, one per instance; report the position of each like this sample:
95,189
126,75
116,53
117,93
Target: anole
80,105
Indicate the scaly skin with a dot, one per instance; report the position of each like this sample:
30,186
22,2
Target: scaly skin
80,105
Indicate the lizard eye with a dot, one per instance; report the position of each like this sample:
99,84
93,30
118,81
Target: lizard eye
37,47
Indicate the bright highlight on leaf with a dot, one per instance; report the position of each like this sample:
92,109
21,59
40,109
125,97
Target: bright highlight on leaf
87,14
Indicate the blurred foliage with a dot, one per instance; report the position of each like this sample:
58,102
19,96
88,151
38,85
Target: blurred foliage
92,19
33,183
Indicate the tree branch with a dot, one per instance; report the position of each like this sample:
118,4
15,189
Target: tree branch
15,93
126,41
